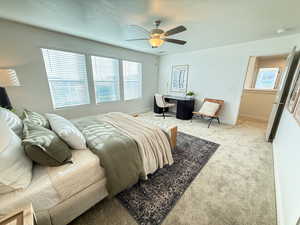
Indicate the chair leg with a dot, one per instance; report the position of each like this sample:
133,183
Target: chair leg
210,122
218,120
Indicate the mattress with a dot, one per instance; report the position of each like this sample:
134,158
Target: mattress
52,185
72,178
40,193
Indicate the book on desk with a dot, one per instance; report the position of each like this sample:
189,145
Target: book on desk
184,106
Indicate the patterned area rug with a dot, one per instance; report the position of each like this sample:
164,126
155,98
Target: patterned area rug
150,201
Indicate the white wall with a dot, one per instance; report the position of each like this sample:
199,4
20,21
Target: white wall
286,148
20,49
257,104
220,72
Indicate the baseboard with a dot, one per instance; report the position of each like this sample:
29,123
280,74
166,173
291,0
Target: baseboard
277,190
250,117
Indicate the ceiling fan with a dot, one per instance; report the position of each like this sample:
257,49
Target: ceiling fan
157,36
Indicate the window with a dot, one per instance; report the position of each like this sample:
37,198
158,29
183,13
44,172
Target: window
132,76
106,79
266,78
67,77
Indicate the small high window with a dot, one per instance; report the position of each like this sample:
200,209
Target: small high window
266,78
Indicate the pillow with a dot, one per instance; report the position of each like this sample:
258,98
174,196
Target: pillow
36,118
67,131
44,147
12,120
209,108
15,166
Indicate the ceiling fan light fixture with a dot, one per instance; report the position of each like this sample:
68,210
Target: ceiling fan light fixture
156,42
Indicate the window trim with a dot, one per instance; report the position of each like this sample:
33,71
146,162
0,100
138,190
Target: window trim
90,78
49,88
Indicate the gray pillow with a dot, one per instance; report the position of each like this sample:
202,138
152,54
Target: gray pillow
36,118
44,147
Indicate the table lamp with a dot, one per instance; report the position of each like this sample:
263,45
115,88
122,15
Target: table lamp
8,78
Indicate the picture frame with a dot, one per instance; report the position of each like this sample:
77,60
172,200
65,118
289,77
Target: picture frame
179,78
297,112
295,91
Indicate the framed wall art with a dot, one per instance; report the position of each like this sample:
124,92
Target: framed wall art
297,111
179,78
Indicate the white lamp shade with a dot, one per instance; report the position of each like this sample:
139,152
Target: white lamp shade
8,78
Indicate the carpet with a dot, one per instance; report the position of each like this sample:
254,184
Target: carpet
150,201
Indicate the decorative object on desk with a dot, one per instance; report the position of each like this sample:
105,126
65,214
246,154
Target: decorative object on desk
179,78
160,101
295,91
211,109
297,112
190,94
8,78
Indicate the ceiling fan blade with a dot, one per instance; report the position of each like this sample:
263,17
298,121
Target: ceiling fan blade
175,41
139,28
175,30
138,39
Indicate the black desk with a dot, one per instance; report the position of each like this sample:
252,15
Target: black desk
184,109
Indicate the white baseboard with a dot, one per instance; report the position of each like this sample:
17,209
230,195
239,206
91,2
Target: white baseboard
277,190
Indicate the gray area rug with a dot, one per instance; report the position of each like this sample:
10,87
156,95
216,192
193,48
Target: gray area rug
150,201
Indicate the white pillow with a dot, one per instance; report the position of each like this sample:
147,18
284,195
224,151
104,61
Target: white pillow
15,166
12,120
67,131
209,108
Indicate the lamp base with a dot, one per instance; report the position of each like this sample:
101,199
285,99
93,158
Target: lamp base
4,100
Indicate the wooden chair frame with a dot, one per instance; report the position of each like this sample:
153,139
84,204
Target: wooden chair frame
215,116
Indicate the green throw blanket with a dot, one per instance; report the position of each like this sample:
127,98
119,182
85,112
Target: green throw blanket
118,153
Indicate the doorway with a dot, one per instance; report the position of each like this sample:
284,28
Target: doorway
263,79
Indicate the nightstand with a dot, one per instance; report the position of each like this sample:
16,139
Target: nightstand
23,216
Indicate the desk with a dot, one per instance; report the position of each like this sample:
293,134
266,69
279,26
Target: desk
184,106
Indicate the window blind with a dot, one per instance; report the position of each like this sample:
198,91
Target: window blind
67,77
132,76
106,79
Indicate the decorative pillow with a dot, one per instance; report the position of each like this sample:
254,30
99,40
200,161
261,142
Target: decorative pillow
209,108
12,120
36,118
44,147
67,131
15,166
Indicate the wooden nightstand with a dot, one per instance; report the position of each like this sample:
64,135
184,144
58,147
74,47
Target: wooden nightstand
23,216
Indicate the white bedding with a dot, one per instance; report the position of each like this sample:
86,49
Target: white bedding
52,185
40,192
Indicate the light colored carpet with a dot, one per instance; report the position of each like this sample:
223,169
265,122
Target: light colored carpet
236,187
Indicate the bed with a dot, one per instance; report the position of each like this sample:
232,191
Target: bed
60,194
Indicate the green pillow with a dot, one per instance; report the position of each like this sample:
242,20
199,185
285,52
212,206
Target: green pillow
36,118
44,147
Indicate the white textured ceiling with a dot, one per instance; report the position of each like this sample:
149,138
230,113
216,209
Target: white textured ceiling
209,23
